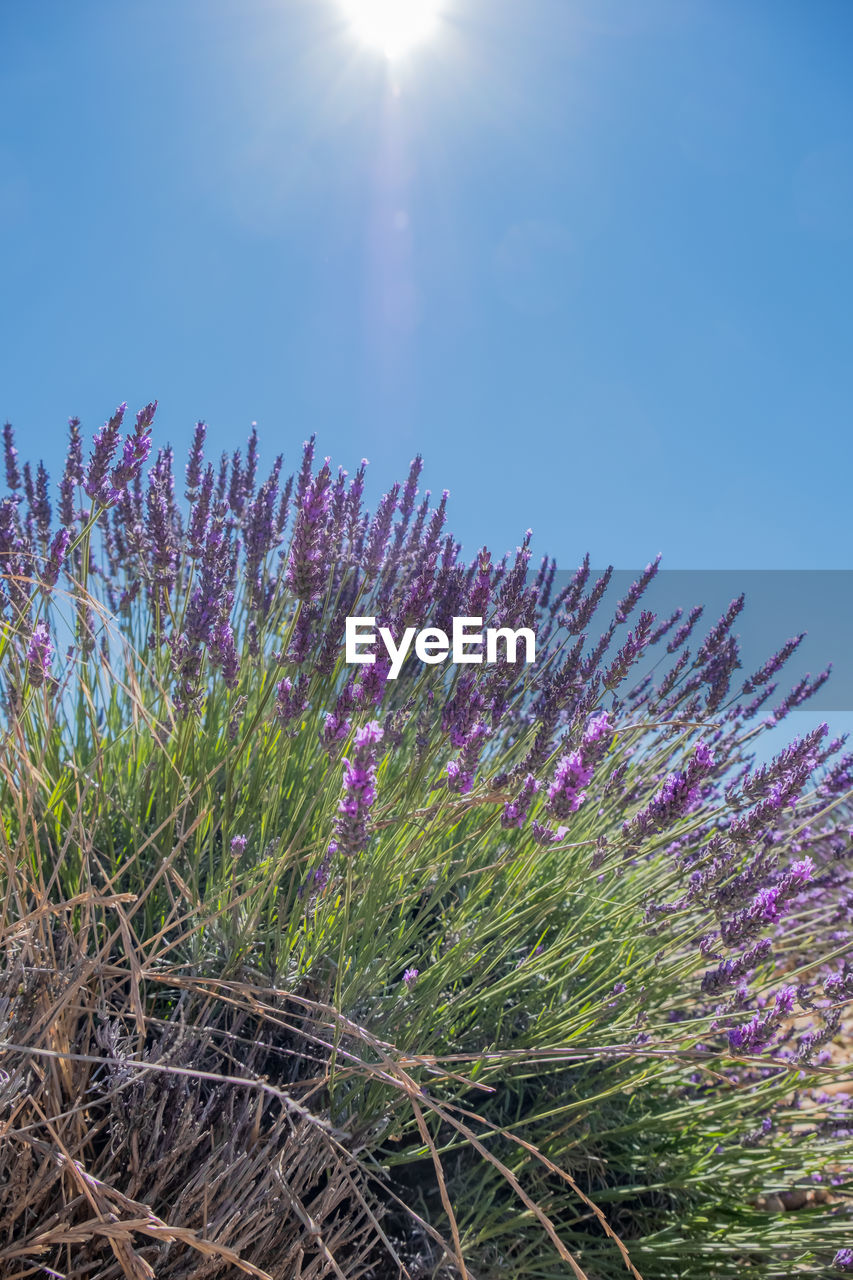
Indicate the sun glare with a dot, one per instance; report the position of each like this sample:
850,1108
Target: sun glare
392,25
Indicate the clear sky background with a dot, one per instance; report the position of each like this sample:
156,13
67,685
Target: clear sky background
594,260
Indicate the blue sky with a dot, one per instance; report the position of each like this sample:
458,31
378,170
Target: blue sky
594,260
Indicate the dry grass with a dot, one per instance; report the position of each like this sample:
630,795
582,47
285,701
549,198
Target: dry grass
148,1149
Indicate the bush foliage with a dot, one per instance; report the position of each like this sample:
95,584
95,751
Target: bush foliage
489,970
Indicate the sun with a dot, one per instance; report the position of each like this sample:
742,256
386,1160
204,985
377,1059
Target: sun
394,26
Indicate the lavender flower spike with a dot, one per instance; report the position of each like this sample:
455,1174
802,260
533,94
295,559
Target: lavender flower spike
136,450
515,811
289,699
96,484
73,474
58,551
574,771
461,772
308,566
762,1028
359,791
40,505
675,798
194,466
13,475
380,532
39,654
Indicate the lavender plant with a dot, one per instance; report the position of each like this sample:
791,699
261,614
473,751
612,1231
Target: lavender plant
547,972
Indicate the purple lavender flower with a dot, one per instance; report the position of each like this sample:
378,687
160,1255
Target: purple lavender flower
251,471
432,541
765,673
481,588
461,772
260,536
160,525
839,986
236,483
768,905
96,479
207,620
780,784
200,516
374,679
410,977
578,621
222,478
58,551
407,502
13,475
544,584
811,1041
72,474
39,654
566,793
684,631
762,1028
283,508
785,774
40,505
749,711
336,727
515,811
805,689
352,830
718,633
574,771
238,846
670,680
628,603
631,650
717,672
137,447
843,1260
729,971
419,597
195,461
302,637
304,481
839,779
785,1002
339,506
319,878
567,599
679,793
380,532
308,566
663,628
290,700
463,710
238,710
223,652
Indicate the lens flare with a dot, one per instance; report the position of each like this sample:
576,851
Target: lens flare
392,25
